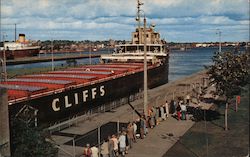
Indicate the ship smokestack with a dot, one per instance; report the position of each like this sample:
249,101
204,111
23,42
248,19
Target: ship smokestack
21,38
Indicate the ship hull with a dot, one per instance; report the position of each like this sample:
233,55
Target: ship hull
71,102
13,54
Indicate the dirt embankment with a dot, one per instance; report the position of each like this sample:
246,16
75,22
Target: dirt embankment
175,89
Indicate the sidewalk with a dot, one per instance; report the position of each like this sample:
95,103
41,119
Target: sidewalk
157,142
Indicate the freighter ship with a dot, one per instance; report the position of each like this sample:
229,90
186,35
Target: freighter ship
19,49
57,95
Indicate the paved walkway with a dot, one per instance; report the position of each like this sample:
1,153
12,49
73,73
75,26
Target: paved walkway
157,141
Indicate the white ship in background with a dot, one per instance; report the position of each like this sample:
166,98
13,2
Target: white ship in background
20,48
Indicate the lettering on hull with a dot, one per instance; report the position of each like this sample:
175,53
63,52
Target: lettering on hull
77,98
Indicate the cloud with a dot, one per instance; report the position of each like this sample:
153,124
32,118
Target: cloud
177,20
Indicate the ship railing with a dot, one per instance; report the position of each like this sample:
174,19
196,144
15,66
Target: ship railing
14,100
136,53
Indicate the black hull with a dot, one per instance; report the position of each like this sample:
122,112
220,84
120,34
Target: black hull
67,105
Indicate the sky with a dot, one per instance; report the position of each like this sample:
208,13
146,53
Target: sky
176,20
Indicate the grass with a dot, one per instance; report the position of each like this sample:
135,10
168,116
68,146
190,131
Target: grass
221,143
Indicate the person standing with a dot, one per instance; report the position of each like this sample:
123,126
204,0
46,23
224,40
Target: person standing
173,107
188,99
154,116
122,143
105,149
167,108
150,119
127,144
95,151
115,141
87,152
145,125
157,115
111,147
142,127
178,109
163,115
130,130
135,130
183,111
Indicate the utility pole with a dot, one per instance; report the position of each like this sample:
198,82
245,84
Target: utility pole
52,55
145,72
219,32
15,24
90,54
4,60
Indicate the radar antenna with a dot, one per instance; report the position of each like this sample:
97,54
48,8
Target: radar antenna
138,19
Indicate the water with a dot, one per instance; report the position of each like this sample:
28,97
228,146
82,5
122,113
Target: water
181,63
184,63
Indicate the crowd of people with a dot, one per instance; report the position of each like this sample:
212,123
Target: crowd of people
120,144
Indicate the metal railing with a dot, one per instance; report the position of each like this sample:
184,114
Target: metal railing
73,121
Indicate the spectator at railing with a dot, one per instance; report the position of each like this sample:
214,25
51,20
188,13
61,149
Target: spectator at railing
105,149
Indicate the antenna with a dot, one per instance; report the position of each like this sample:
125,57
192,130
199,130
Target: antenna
138,18
15,32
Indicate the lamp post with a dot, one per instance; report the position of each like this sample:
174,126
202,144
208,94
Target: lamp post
219,32
145,84
52,56
145,71
90,50
4,59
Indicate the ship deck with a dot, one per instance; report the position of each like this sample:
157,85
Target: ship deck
28,87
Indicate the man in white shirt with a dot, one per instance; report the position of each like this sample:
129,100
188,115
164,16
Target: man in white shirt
105,149
95,151
122,143
167,108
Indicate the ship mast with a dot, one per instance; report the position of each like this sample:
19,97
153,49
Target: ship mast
138,19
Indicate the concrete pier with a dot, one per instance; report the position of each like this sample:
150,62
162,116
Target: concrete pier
4,124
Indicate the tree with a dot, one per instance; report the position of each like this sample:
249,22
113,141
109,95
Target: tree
27,140
229,73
